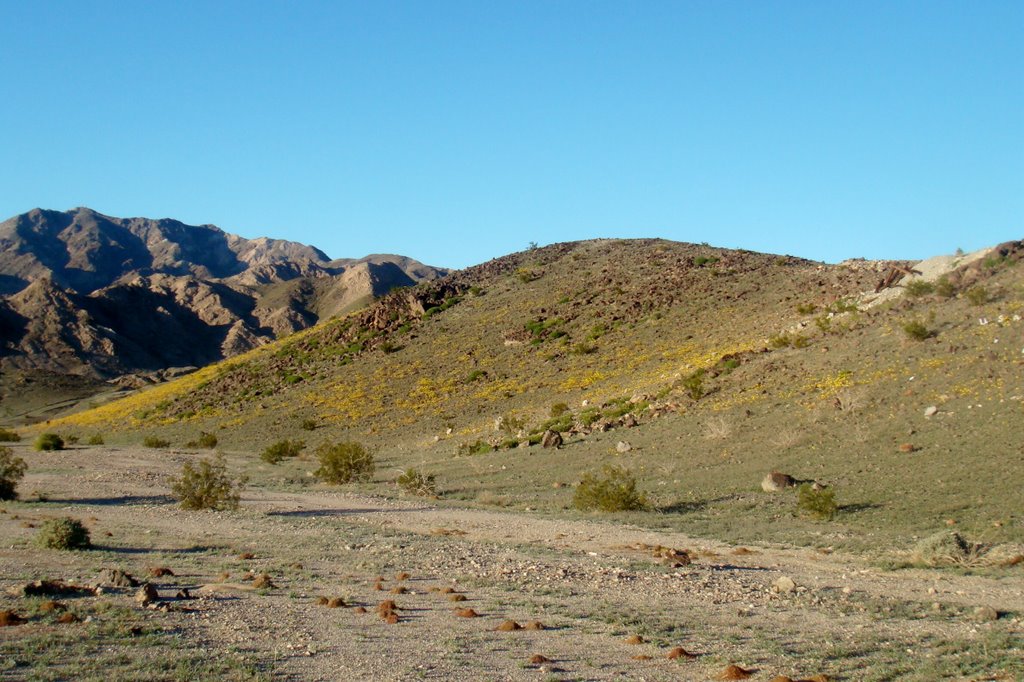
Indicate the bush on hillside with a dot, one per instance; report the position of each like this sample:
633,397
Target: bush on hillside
282,449
205,440
916,330
615,490
95,439
345,462
155,442
63,533
12,469
49,441
917,288
817,502
207,486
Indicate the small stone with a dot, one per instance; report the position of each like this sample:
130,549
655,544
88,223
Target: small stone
623,447
784,585
931,411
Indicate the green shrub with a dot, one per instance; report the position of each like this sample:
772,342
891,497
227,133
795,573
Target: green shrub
780,341
49,441
282,449
95,439
978,295
477,447
155,442
614,491
701,261
584,349
207,486
12,469
63,533
205,440
917,288
344,462
916,330
527,275
558,409
308,425
9,436
415,483
817,502
945,288
694,384
475,375
806,308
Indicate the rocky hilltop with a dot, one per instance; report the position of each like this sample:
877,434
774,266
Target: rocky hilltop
98,297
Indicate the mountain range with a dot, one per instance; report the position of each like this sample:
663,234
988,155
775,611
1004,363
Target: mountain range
94,297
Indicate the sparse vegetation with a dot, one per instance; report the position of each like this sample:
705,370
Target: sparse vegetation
918,288
9,436
477,447
205,440
207,486
693,384
49,441
806,308
281,450
613,490
558,409
345,462
817,502
308,425
917,330
95,439
63,533
944,288
946,548
12,469
978,295
155,442
415,483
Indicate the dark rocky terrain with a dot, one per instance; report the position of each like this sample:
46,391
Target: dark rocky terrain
98,298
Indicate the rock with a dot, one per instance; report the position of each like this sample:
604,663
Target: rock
985,614
117,578
551,439
146,594
499,423
784,585
775,481
629,421
623,447
931,411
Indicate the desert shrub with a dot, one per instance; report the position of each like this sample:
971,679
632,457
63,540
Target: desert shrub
806,308
916,330
584,349
155,442
95,439
308,425
843,305
694,384
344,462
49,441
477,447
527,275
205,440
817,502
945,288
946,548
978,295
63,533
12,469
475,375
917,288
415,483
701,261
9,436
72,439
207,486
558,409
282,449
614,490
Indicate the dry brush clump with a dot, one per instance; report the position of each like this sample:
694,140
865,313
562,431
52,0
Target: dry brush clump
345,462
48,442
12,470
282,449
207,486
413,482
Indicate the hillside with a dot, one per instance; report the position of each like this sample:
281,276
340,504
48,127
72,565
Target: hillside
712,366
96,298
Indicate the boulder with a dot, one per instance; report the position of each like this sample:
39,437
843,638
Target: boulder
775,481
551,439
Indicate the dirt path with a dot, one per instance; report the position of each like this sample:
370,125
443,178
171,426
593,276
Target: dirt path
590,582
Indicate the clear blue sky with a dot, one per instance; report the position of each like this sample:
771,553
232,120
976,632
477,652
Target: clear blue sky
455,132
